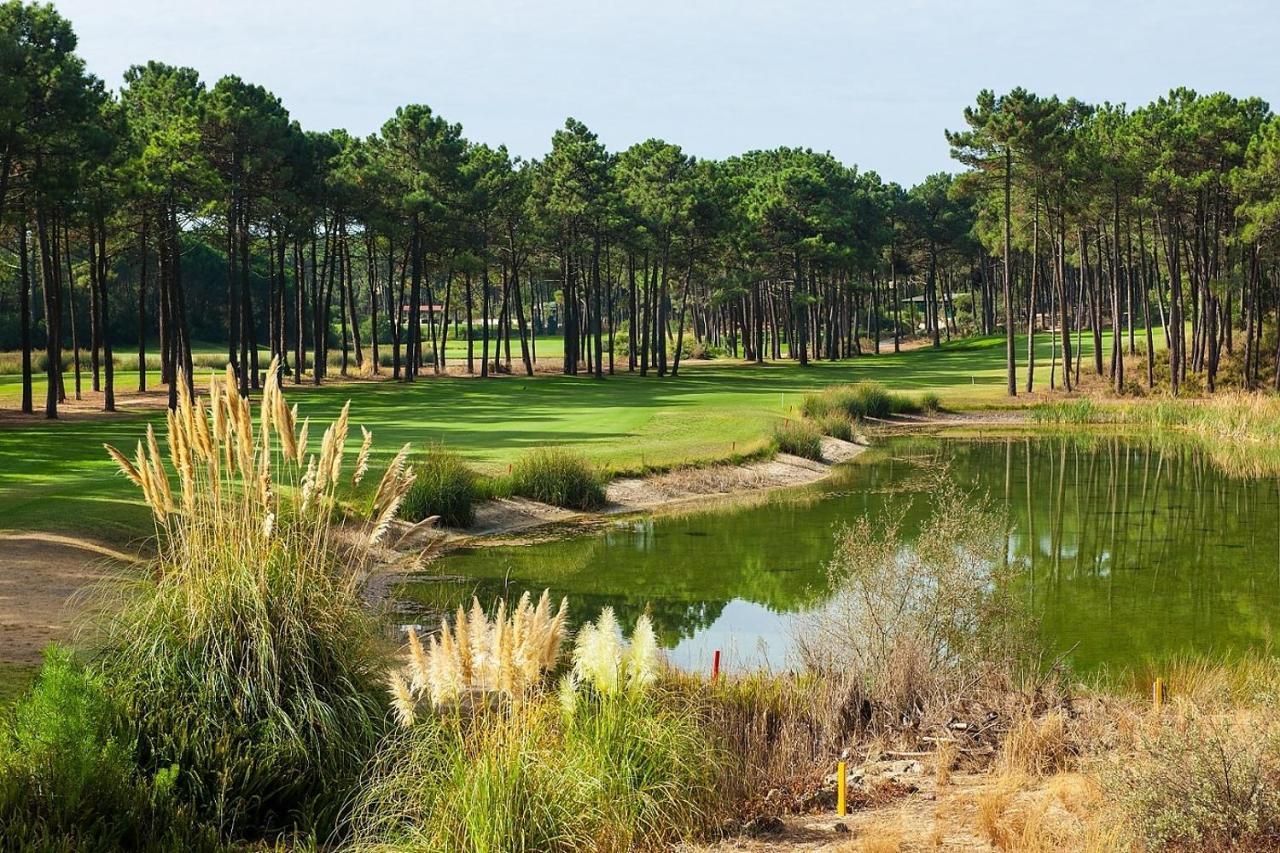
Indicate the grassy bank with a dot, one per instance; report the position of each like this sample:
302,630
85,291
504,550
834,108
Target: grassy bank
1239,432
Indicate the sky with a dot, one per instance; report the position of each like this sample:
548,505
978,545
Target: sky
875,83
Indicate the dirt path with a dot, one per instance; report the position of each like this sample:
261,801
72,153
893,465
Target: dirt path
39,575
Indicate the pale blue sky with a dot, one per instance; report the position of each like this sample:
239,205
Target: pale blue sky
873,82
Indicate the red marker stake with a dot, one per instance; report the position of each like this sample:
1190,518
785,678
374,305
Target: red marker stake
715,665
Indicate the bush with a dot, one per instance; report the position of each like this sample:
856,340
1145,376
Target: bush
799,438
248,658
67,775
559,477
691,350
442,485
1202,784
908,623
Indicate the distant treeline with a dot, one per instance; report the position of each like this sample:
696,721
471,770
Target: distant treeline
171,210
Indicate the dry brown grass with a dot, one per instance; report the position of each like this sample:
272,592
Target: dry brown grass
1038,745
785,732
944,760
883,837
1033,815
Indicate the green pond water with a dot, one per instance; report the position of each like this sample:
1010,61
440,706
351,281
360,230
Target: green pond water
1126,551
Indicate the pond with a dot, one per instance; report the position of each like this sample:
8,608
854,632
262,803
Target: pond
1126,551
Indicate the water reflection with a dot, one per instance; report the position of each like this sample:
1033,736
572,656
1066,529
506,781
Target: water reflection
1126,550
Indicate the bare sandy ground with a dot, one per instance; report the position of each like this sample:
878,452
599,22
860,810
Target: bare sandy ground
39,576
972,811
930,818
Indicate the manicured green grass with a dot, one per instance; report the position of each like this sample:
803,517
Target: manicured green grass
56,476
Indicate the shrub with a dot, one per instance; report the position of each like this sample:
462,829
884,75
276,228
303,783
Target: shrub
799,438
1201,784
907,622
692,350
559,477
67,774
248,658
442,485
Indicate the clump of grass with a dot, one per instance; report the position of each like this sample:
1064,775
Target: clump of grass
1078,411
799,438
443,485
611,761
858,401
559,477
837,426
248,658
930,402
779,731
1038,745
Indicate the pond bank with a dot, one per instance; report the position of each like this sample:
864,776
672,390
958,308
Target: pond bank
505,521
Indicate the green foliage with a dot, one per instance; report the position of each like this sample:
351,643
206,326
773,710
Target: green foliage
699,350
443,485
67,775
799,438
559,477
930,402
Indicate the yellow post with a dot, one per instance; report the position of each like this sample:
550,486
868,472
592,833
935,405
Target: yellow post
1157,693
842,784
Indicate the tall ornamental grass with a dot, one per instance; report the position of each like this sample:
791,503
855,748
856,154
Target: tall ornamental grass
247,657
611,760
